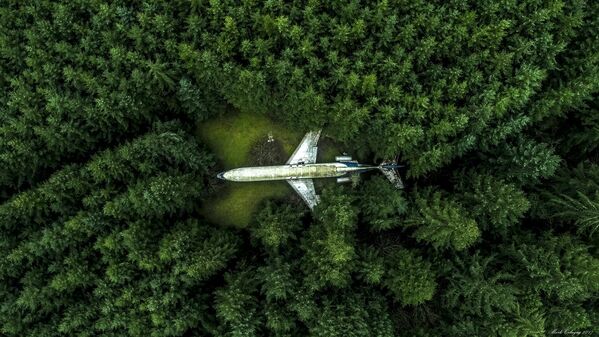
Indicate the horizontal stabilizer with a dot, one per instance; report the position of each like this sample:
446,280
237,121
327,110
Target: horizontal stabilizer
389,169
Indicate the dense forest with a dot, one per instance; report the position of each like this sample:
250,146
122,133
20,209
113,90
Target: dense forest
491,105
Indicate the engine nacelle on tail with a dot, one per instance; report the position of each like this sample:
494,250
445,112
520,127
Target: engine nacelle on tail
343,180
342,159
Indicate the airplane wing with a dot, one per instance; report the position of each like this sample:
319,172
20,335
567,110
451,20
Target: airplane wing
305,188
306,150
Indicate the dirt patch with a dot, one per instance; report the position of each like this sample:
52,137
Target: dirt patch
267,152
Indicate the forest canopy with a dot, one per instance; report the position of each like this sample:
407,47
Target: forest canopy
492,106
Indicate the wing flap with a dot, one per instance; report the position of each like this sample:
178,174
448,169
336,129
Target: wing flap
305,188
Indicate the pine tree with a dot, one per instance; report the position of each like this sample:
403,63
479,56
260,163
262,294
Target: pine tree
381,204
409,278
441,221
495,204
236,305
329,249
352,314
583,210
276,225
476,289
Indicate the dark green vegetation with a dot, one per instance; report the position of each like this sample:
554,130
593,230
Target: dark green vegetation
491,104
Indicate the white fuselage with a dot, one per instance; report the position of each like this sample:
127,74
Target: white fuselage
294,171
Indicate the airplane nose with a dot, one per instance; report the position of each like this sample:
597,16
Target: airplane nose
221,176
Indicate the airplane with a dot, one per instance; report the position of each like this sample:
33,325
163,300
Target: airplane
301,168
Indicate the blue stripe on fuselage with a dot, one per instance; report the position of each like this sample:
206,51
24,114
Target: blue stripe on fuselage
351,164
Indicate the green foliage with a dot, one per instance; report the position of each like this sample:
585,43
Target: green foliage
525,162
381,204
277,280
527,320
193,100
583,178
166,149
573,316
158,197
279,320
562,192
105,271
442,222
236,305
90,92
197,251
372,266
353,315
492,107
329,244
276,225
583,210
559,266
475,289
303,304
494,203
409,278
341,64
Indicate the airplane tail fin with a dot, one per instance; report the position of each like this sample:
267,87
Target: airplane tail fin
389,169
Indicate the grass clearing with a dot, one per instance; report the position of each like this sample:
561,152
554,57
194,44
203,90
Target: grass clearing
231,138
237,202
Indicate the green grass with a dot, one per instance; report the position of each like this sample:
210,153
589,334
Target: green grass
231,138
237,202
327,150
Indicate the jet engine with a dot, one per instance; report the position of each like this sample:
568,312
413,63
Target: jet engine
343,180
343,158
